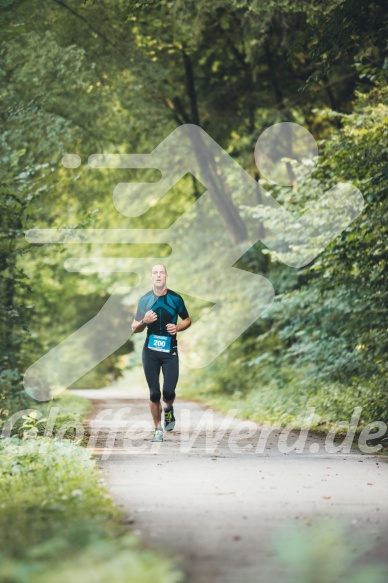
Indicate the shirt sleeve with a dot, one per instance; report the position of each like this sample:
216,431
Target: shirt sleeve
140,313
182,310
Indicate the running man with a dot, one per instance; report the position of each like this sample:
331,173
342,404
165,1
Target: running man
158,310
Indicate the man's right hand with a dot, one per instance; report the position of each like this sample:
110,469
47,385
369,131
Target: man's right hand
150,317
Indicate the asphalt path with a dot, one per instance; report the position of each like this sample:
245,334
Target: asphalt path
230,500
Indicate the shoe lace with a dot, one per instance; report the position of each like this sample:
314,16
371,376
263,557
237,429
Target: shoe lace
168,415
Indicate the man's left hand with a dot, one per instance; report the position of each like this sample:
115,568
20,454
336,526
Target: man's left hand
172,329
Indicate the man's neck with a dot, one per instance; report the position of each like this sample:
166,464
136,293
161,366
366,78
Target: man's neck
159,292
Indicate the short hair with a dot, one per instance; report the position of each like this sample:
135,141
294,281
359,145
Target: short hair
165,268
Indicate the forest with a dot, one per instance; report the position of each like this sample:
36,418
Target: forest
82,80
119,77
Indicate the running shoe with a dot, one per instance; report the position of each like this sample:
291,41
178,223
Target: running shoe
169,419
158,435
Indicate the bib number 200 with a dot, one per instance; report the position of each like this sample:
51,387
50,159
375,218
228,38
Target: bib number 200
160,343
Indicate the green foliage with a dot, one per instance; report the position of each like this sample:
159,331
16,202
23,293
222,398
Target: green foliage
346,32
118,77
34,418
323,343
324,551
334,323
57,521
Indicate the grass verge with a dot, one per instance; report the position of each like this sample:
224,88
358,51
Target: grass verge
280,405
57,521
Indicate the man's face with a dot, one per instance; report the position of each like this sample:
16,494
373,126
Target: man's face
159,276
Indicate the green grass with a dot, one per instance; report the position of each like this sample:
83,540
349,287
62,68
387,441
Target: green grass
277,398
49,417
324,550
57,522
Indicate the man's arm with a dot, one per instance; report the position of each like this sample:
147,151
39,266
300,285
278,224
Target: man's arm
149,317
186,323
174,328
138,326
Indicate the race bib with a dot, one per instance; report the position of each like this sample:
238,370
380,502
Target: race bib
161,343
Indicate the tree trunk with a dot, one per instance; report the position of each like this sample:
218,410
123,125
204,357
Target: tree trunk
218,191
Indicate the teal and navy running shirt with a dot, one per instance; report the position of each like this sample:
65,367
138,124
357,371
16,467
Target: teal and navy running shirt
167,308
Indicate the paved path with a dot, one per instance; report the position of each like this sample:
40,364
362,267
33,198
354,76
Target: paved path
217,504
